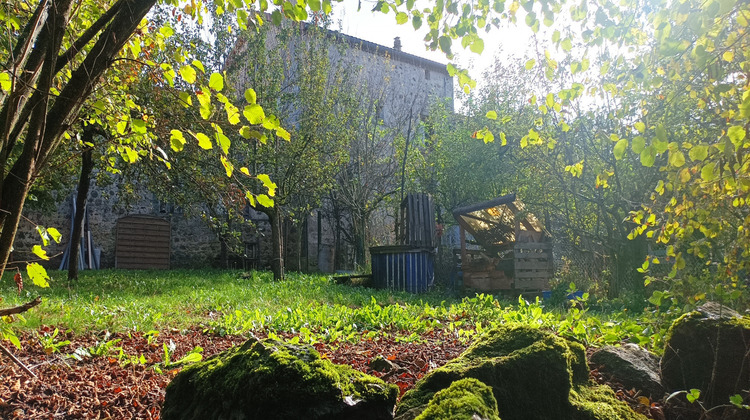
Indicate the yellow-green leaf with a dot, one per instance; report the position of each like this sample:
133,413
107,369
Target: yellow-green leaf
639,143
187,72
223,141
736,134
216,82
283,134
676,158
5,83
55,234
270,185
728,56
254,114
477,46
264,200
250,96
203,141
648,156
166,31
698,153
641,127
233,113
620,147
130,156
708,172
491,115
39,252
177,140
401,18
43,234
661,133
199,66
228,167
139,126
530,64
37,274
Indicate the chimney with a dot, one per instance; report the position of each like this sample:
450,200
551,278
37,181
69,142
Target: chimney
397,43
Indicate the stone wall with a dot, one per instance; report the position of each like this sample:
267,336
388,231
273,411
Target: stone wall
193,245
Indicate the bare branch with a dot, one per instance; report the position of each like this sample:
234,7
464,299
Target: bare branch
21,309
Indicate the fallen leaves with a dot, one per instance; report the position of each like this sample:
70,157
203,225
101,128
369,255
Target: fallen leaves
106,387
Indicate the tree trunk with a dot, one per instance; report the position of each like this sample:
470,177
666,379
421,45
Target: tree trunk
15,189
87,165
360,241
277,243
42,121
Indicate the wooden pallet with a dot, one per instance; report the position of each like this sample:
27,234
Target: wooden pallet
533,265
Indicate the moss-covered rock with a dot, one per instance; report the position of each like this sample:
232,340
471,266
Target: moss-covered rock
709,350
599,403
270,379
465,399
534,374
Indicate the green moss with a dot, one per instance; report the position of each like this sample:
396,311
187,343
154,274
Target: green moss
533,373
522,364
270,379
463,400
600,403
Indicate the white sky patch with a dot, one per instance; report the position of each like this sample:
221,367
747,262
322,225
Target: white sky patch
382,29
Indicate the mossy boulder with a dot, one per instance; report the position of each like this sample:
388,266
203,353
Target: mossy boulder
465,399
708,349
533,374
269,379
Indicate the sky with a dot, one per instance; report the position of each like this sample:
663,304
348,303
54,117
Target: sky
381,29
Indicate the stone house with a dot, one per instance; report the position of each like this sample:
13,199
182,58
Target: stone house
405,84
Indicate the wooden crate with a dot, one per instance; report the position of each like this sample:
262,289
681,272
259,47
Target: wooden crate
143,242
417,227
487,281
533,265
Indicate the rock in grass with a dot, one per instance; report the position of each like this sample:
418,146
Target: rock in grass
273,380
533,375
709,350
632,366
465,399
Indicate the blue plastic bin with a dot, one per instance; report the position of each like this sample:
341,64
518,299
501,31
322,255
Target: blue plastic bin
403,268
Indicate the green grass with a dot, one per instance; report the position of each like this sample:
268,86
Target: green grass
142,300
311,306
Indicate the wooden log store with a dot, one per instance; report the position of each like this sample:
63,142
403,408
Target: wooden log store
515,254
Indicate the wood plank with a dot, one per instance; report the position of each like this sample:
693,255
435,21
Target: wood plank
149,243
533,274
134,266
532,265
533,245
533,285
146,222
144,255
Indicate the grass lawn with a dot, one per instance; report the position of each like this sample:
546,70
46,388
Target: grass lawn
119,300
